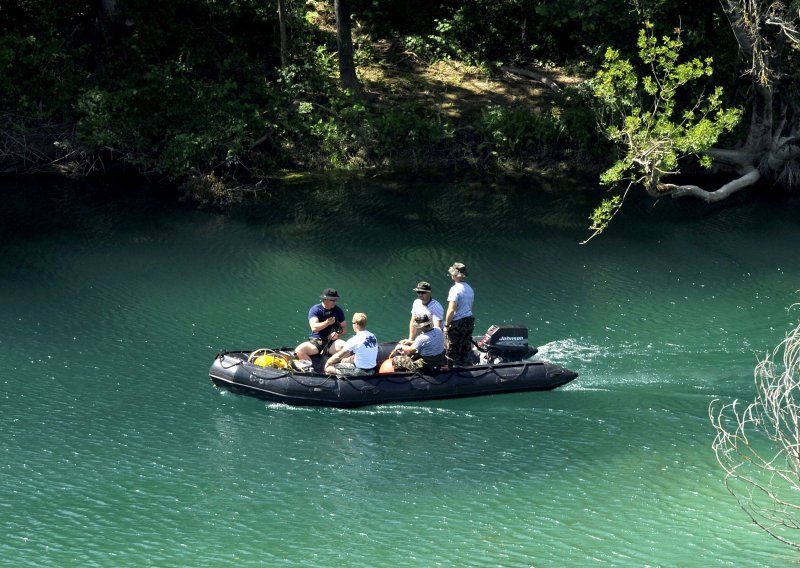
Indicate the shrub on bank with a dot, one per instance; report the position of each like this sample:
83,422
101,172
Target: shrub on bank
192,90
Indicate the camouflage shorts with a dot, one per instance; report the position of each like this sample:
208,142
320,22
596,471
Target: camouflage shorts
459,341
406,363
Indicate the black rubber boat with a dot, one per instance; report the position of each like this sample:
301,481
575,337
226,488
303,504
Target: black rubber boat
502,365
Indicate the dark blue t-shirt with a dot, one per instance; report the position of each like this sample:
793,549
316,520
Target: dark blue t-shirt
319,312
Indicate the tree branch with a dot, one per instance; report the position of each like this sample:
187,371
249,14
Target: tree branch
748,179
725,157
552,85
757,446
789,149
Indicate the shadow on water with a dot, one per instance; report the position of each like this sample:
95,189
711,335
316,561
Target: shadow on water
443,209
449,208
321,208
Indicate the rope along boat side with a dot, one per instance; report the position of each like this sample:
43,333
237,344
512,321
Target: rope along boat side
274,375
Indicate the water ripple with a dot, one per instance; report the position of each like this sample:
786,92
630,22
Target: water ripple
117,450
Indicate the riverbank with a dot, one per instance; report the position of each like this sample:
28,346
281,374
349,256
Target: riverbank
413,118
205,105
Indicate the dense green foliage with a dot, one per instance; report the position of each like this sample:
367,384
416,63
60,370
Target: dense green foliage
644,116
188,89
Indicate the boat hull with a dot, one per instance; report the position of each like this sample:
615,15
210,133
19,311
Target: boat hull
232,371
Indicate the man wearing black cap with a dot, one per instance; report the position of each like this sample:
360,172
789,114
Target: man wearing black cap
327,323
425,304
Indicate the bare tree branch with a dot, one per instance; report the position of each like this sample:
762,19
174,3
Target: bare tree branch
748,179
758,446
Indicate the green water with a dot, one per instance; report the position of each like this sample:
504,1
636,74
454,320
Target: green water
117,451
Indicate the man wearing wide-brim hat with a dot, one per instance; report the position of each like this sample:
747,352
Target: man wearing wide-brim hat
425,304
327,323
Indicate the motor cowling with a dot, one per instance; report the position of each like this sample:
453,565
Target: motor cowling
505,342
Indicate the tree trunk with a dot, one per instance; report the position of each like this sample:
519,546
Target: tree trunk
102,12
347,68
282,28
109,7
771,150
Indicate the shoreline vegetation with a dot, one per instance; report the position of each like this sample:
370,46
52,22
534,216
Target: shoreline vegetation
194,97
220,100
447,116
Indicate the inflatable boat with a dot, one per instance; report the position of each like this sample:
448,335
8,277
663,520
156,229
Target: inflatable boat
502,364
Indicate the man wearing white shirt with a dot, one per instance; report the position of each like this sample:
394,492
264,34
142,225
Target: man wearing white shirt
425,304
359,354
459,321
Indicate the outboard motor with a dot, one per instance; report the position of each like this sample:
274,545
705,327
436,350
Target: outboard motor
504,343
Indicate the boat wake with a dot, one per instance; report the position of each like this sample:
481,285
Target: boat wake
570,350
382,410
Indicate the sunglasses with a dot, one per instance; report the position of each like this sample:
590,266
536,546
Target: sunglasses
422,293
